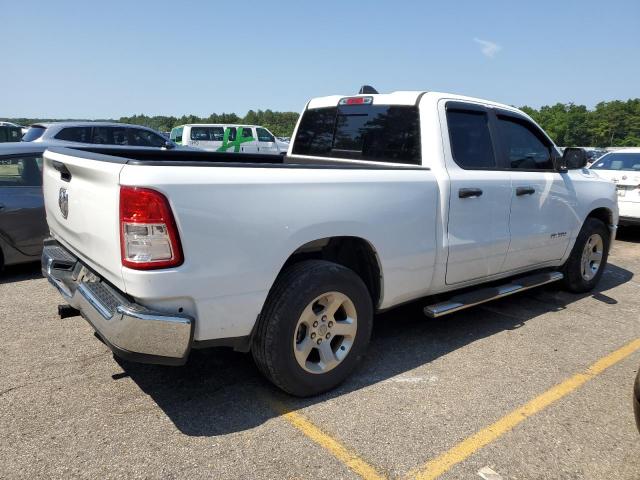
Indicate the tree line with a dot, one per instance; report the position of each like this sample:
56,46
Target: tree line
280,124
608,124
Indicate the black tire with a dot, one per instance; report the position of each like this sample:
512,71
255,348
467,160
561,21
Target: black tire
294,290
572,269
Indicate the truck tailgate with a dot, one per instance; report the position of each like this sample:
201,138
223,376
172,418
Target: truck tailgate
81,197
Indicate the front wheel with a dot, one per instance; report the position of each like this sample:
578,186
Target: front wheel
314,328
588,258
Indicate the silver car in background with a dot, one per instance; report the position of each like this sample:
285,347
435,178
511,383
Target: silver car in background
96,133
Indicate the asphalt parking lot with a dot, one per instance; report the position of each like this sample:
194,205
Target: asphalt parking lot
535,386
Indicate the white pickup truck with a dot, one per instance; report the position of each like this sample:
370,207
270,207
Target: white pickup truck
382,199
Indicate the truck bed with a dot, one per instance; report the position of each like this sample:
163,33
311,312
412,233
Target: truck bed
179,157
238,226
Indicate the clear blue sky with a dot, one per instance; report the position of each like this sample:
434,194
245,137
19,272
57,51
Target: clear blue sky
87,59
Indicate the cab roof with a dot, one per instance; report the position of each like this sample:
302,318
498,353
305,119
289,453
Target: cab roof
403,97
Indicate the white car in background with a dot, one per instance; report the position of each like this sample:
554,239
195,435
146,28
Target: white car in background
228,138
622,167
96,133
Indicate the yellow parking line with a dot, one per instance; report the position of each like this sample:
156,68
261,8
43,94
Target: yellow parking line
475,442
342,453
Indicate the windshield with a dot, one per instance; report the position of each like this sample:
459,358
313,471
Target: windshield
619,161
33,133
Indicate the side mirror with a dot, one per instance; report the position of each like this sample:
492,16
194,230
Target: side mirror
573,158
168,145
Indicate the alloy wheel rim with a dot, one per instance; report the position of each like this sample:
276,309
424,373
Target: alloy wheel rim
325,332
592,257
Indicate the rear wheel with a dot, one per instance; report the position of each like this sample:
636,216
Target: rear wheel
314,328
587,261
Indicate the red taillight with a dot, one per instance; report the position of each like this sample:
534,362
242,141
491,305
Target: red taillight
356,101
148,234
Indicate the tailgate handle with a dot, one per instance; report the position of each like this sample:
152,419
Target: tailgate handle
65,174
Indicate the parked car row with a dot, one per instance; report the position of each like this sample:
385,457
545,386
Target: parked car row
96,133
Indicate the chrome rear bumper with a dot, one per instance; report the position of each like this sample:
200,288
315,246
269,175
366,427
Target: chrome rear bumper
132,331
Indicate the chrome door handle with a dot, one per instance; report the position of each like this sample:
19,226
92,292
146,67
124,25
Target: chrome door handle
520,191
469,193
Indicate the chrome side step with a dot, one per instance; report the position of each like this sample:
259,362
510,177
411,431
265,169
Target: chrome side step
476,297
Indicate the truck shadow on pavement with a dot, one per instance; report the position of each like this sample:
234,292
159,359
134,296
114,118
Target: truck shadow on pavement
220,391
18,273
629,234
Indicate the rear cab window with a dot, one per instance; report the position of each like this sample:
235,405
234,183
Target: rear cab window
379,133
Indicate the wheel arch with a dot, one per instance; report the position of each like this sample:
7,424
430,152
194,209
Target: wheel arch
352,252
603,214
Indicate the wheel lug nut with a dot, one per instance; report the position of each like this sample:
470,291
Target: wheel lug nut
313,335
330,324
324,318
319,341
315,324
328,335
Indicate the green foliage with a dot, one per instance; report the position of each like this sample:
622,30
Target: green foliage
280,123
609,124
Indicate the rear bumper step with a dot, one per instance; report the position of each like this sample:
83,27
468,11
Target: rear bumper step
476,297
132,331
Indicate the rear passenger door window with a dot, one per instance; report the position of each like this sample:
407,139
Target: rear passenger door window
144,138
470,137
524,145
75,134
119,135
102,136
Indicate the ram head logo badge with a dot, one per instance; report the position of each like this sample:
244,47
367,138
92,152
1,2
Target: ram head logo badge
63,202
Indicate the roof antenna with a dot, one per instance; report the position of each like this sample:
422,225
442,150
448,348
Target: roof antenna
367,90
